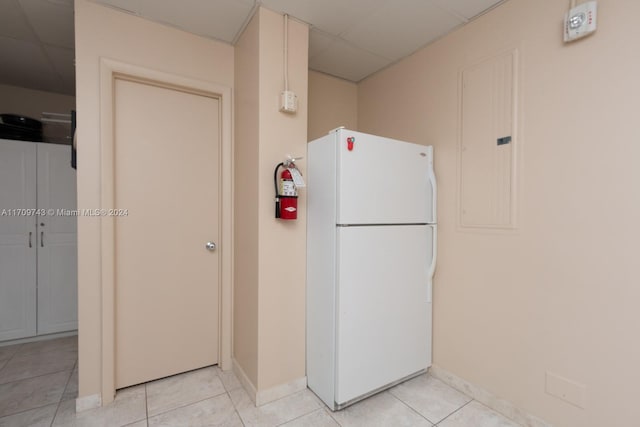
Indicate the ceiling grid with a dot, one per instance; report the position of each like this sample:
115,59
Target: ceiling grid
350,39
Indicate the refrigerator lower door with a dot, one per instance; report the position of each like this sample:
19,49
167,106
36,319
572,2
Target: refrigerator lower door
383,307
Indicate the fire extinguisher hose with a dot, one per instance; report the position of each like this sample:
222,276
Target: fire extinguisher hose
275,185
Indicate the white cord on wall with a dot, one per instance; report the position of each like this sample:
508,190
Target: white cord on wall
288,99
286,52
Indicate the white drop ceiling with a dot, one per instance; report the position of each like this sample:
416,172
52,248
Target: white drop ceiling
351,39
37,44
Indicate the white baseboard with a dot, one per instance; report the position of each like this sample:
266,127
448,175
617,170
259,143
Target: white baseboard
244,380
262,397
502,406
88,402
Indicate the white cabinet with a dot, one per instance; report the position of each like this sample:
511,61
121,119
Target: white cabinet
38,256
57,240
18,256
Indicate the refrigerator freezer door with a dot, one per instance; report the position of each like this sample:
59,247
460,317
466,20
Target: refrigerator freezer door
383,181
384,317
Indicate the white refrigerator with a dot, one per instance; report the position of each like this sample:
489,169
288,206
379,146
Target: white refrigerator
371,253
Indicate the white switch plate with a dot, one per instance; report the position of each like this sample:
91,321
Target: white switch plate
580,21
288,101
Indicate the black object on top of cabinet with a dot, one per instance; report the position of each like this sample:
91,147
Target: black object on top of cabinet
13,126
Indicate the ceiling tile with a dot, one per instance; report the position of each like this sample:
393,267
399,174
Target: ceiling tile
468,8
348,38
331,16
13,22
401,28
52,20
63,61
348,62
28,66
218,19
319,42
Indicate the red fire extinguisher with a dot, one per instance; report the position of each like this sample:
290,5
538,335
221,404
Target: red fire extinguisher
286,194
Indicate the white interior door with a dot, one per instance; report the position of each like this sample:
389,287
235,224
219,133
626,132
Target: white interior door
167,178
17,239
384,313
57,240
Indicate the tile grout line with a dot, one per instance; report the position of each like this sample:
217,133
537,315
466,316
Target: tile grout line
300,416
268,403
236,410
187,404
460,408
11,357
37,376
68,381
411,408
45,343
41,406
55,414
17,353
27,410
330,412
44,351
146,404
280,398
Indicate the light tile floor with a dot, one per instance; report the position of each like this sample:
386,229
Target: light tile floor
39,384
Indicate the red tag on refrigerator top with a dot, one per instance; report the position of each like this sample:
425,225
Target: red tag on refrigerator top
350,142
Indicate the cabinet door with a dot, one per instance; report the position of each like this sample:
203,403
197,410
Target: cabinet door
17,239
57,240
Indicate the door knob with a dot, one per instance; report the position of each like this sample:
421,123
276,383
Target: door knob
211,246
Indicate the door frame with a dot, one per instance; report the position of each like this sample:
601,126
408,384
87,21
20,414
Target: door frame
110,70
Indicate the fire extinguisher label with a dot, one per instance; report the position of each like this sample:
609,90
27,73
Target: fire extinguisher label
290,209
297,177
288,188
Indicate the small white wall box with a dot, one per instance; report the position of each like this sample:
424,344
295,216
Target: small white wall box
288,102
580,21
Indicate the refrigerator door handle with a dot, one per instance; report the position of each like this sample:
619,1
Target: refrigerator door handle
432,267
432,181
434,250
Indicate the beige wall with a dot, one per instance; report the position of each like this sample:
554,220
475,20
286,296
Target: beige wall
561,293
246,171
282,246
333,102
106,33
270,257
32,103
